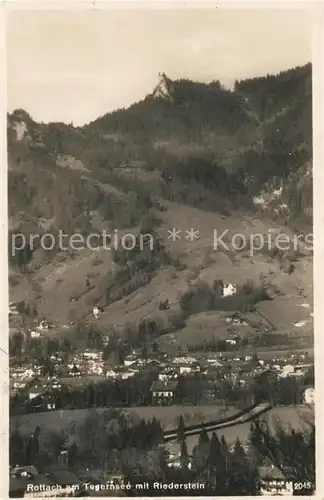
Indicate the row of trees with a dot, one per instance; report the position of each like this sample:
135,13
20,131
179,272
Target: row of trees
135,391
234,471
38,349
225,471
87,442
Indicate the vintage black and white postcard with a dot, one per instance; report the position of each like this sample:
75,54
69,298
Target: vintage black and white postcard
159,228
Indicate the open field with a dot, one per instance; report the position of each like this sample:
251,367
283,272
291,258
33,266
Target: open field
294,417
203,326
53,284
287,315
168,416
203,262
291,417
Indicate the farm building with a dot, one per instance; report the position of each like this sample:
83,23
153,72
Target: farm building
164,393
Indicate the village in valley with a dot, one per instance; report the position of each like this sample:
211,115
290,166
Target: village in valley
230,360
223,376
233,365
160,255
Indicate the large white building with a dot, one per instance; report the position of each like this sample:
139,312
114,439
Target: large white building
229,289
273,482
309,396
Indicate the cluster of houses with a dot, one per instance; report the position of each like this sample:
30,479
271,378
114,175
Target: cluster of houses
21,375
37,328
237,370
28,482
13,310
34,331
90,362
60,481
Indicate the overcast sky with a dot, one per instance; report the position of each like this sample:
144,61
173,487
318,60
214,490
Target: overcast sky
74,65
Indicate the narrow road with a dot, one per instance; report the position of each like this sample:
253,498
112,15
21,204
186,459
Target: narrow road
240,418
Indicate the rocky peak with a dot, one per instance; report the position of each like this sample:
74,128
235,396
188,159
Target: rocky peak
18,122
20,129
164,88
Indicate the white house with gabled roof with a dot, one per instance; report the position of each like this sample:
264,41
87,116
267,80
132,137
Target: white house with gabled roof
229,289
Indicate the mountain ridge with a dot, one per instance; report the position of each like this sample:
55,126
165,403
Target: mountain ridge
240,154
252,131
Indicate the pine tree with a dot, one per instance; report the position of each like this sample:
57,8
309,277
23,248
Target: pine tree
291,452
144,352
255,359
203,438
224,447
184,457
194,457
181,429
33,448
255,441
215,463
201,451
16,449
215,451
242,474
226,456
238,452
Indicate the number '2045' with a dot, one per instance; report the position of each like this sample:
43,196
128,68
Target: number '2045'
306,485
